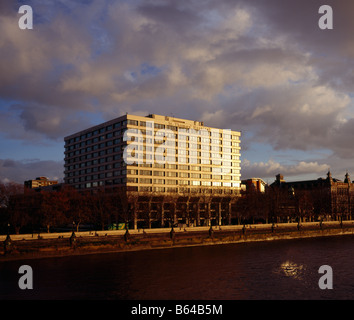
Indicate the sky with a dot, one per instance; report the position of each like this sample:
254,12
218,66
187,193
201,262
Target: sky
262,67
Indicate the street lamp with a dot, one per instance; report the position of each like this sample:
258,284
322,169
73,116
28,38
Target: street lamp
7,242
73,237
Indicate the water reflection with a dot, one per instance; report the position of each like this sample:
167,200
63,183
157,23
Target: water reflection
292,269
268,270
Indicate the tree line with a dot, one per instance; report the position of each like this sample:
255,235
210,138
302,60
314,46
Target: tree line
28,211
25,210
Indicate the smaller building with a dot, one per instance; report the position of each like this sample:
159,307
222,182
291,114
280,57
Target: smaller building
328,197
39,182
256,184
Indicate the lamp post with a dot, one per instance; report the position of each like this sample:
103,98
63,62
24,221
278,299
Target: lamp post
8,242
73,237
126,235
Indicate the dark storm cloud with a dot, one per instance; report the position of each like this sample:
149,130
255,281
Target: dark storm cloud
259,66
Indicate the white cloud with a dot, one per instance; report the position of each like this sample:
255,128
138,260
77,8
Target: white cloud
271,168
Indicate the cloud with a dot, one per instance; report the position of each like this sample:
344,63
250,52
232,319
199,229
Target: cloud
20,171
271,168
263,67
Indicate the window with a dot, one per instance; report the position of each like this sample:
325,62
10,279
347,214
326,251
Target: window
145,189
159,181
171,181
145,180
132,122
158,189
159,126
158,173
171,174
173,128
195,175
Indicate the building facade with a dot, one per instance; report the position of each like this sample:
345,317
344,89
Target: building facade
154,154
255,184
166,164
324,198
39,182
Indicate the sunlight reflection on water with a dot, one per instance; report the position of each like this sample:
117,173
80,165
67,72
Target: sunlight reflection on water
293,270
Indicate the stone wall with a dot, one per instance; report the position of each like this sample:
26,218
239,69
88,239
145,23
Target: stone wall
33,246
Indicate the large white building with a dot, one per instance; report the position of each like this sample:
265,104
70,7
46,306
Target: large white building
154,154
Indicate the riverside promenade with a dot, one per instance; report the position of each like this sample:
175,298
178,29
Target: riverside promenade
83,242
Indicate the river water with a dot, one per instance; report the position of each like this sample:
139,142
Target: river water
284,269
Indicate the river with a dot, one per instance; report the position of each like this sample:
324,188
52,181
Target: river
282,269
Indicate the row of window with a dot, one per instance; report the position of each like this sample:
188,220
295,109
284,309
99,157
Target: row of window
147,145
124,180
97,132
117,158
176,139
183,182
218,173
183,190
164,173
94,148
87,153
161,162
123,124
157,188
83,144
159,151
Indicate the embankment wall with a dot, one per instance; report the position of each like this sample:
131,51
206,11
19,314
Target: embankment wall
62,244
